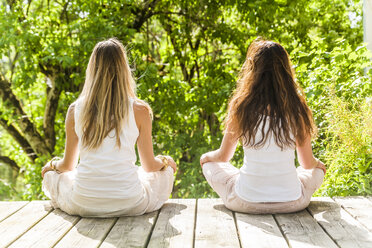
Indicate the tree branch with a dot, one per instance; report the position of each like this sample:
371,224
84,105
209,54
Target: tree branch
59,80
11,6
28,7
27,127
64,14
12,130
185,73
10,162
51,71
11,3
212,121
12,63
143,14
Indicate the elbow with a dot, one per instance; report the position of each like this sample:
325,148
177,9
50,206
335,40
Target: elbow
147,169
66,165
151,166
223,157
306,167
309,164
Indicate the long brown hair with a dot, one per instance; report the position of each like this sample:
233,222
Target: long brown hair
268,99
108,86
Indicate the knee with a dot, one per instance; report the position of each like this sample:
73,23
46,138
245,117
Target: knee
319,177
166,176
315,180
170,174
311,179
207,169
231,206
301,205
49,177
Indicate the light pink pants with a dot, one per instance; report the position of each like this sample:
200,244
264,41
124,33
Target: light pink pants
223,176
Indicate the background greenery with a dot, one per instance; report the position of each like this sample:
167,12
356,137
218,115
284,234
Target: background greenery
186,56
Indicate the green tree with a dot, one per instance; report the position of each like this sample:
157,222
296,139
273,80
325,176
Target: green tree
186,56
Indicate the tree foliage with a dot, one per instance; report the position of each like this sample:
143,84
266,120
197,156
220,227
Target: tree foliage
186,57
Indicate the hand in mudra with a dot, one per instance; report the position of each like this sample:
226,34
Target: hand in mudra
168,161
50,166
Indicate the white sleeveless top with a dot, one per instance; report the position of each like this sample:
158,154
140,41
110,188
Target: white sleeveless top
109,171
268,173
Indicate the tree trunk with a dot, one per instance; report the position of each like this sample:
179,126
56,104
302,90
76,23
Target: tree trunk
51,107
25,125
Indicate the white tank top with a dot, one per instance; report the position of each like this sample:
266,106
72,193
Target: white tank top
109,171
268,173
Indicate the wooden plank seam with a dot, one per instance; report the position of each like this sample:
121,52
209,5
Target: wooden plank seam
195,219
67,231
347,231
281,231
350,213
152,228
14,212
108,231
323,228
236,228
21,234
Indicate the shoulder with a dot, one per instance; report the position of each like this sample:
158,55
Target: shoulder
141,108
71,108
142,113
70,112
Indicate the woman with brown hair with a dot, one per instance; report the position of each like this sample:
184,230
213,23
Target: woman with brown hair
269,115
102,126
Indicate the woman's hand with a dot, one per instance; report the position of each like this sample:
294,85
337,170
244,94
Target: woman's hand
171,163
211,156
48,167
226,150
45,169
321,165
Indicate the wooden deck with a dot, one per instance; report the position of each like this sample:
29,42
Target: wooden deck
338,222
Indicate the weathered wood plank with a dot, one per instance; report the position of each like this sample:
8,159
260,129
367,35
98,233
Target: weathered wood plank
48,231
259,231
130,231
344,229
359,207
8,208
215,226
88,232
175,224
17,224
29,225
303,231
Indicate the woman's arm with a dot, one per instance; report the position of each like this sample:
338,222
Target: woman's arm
144,142
225,152
306,157
71,155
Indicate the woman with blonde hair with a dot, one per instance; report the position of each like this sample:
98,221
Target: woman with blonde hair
102,126
269,114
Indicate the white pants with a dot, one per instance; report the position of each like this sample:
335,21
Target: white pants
222,178
157,186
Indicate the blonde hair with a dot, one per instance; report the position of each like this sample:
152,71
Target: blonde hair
108,86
